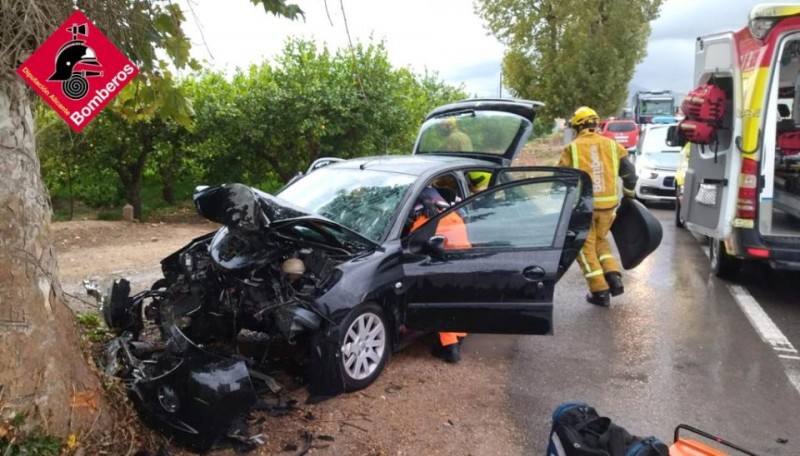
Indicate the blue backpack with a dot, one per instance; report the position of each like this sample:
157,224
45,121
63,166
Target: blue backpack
578,430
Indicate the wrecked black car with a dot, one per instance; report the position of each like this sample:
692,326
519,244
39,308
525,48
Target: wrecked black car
330,266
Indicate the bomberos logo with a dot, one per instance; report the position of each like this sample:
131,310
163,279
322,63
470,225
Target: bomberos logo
77,71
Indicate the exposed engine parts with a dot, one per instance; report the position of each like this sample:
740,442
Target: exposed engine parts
180,375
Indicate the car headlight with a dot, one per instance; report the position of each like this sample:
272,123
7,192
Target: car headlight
646,168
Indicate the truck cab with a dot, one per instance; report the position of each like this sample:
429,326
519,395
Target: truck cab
743,190
648,105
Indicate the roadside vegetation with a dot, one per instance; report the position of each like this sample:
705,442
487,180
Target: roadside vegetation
259,127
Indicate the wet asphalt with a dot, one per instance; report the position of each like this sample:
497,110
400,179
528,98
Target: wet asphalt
675,348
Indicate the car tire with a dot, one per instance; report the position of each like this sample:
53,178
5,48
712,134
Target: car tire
679,222
365,346
723,265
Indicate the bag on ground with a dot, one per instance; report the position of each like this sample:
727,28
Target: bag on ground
578,430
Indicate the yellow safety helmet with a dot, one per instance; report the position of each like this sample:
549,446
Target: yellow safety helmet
479,179
450,122
583,115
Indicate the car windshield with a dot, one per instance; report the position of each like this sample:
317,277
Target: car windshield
621,126
362,200
480,132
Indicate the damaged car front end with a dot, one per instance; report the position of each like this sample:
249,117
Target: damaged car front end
182,389
261,274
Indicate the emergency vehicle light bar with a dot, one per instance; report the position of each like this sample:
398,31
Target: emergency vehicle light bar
764,17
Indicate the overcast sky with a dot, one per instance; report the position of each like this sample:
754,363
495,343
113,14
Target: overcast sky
444,36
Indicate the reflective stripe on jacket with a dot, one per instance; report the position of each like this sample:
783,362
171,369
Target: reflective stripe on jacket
600,157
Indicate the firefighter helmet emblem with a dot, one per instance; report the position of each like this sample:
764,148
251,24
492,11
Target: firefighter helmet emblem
74,63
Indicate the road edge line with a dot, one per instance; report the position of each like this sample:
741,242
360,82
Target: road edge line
769,332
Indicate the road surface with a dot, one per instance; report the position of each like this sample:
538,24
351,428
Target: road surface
677,347
680,346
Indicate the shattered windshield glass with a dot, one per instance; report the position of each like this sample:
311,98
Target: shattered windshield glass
362,200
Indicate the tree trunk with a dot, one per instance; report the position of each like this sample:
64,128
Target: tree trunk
42,372
134,196
168,192
131,179
167,172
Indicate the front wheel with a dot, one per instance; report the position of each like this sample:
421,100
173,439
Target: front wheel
723,265
365,346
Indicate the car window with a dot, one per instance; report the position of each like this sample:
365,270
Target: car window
362,200
532,209
621,126
480,132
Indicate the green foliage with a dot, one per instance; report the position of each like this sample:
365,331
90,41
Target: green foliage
91,326
32,445
261,127
280,8
570,53
315,103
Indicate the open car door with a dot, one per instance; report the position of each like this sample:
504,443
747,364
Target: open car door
522,235
710,184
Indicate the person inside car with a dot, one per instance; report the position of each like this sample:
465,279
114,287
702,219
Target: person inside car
452,227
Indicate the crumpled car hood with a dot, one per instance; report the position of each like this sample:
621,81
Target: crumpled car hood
242,207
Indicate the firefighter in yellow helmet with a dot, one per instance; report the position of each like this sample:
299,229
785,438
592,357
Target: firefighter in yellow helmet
455,140
477,181
604,159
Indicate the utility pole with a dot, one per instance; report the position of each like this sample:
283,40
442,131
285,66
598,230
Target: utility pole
500,86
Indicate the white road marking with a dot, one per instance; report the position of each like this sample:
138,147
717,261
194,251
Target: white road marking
767,330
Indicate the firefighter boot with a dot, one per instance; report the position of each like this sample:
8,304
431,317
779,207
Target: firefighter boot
450,353
599,298
614,280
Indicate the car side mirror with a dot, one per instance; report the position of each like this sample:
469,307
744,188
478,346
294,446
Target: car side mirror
435,245
674,137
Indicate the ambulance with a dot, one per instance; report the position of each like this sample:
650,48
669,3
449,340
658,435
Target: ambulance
743,190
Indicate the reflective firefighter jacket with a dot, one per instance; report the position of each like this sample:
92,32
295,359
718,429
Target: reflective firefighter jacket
604,160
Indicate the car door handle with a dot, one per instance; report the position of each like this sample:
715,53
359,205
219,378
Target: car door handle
533,273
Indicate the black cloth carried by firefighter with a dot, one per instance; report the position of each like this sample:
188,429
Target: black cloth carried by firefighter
636,231
578,430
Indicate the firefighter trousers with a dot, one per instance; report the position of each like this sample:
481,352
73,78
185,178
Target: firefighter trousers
596,258
450,338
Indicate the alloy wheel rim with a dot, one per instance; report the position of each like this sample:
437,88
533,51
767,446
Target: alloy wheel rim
363,346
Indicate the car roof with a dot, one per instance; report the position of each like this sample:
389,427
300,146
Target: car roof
416,165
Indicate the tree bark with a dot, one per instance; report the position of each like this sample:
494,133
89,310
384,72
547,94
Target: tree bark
42,372
134,196
168,191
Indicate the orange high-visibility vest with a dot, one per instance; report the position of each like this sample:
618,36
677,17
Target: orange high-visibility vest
451,227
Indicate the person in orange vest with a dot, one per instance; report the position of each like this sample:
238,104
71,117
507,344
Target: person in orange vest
452,227
604,160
